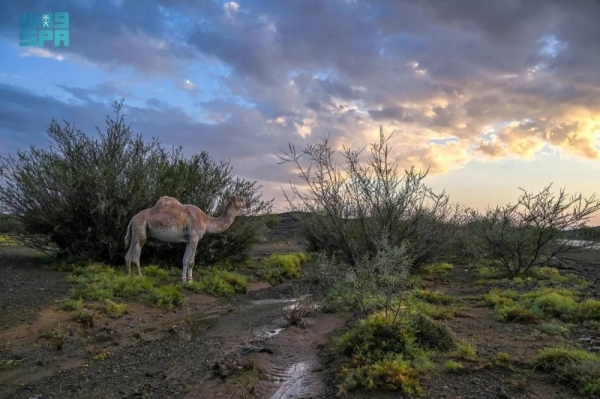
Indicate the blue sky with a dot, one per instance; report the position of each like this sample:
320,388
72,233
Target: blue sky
491,96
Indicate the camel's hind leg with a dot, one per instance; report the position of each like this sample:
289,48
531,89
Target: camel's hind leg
188,260
138,239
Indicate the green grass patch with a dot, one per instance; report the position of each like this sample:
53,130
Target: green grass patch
387,353
156,272
452,366
438,268
500,298
435,297
219,282
575,367
465,350
501,359
284,266
71,304
166,296
554,329
436,312
113,310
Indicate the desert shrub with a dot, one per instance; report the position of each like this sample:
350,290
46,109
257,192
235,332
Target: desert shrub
452,366
384,352
465,350
516,313
434,311
575,367
58,336
345,211
284,266
84,317
590,309
156,272
431,334
501,359
78,195
554,328
438,268
219,282
500,298
100,282
167,296
373,280
114,310
71,304
296,313
435,297
525,235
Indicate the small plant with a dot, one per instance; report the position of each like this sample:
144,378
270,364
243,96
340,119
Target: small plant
516,313
501,298
84,317
167,296
284,266
58,336
575,366
156,272
590,309
114,310
465,350
429,309
71,304
102,355
438,268
435,297
452,366
554,328
501,359
296,314
431,334
219,282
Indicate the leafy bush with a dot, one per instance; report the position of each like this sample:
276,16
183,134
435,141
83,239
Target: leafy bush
219,282
452,366
573,366
554,329
590,309
434,311
500,298
516,313
78,195
167,296
371,280
525,235
155,271
71,304
284,266
465,350
84,317
435,297
345,211
114,310
438,268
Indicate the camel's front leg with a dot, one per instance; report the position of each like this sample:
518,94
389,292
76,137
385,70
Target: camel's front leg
188,260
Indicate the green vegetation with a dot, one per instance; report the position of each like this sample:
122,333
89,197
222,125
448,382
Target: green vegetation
219,282
554,328
465,350
438,268
99,181
284,266
501,359
166,296
390,353
114,310
71,304
84,317
452,366
574,366
435,311
543,304
435,297
156,272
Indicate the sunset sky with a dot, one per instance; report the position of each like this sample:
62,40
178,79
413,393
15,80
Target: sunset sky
492,95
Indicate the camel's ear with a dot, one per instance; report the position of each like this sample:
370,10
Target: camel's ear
247,201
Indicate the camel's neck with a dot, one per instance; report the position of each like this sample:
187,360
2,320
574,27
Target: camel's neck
222,223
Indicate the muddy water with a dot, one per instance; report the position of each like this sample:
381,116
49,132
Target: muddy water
295,382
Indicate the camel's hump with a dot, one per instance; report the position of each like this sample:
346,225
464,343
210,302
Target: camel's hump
165,201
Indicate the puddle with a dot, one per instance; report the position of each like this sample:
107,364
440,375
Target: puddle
268,333
292,382
271,301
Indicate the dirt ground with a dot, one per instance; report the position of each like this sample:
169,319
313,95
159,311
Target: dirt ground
239,347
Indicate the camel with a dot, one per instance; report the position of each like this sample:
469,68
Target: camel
171,221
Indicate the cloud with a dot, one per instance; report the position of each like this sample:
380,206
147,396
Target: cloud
188,85
230,9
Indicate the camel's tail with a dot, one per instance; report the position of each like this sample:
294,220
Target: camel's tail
128,235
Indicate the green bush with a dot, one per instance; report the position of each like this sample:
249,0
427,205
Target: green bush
284,266
590,309
155,271
435,297
452,366
114,310
79,194
385,352
166,296
573,366
71,304
219,282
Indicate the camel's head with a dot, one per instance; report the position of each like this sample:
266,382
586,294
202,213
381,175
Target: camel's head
240,202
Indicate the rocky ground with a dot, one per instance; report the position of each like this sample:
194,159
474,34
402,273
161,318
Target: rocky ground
240,347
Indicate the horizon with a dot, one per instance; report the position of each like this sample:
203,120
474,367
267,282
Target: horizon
492,96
